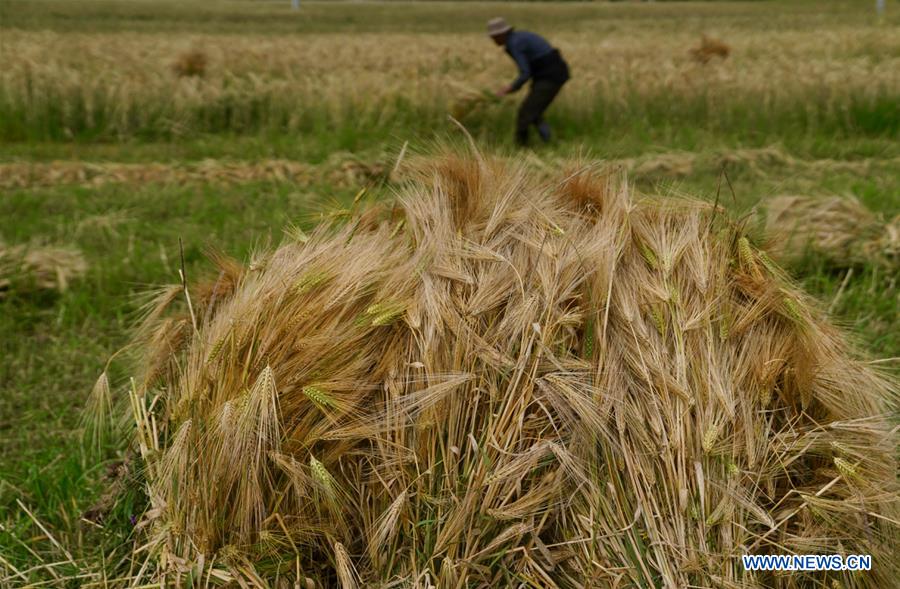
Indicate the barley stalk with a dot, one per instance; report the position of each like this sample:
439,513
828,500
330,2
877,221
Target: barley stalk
217,349
792,308
724,327
745,253
588,343
323,477
709,438
319,396
658,313
309,281
649,256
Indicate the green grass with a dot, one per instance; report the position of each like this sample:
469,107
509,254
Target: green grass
53,347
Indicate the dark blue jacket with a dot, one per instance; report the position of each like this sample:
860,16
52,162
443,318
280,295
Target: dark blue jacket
535,58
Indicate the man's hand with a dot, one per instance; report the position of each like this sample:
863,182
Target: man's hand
502,92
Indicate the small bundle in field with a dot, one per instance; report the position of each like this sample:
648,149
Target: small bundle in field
708,49
509,381
191,64
26,269
470,101
839,229
347,169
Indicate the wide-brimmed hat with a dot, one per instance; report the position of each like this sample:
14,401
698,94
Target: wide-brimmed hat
498,26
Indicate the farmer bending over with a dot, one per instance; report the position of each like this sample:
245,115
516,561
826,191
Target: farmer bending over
538,61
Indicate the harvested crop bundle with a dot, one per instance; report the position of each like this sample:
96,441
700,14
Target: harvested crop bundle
191,64
841,229
710,48
27,268
513,381
471,100
345,169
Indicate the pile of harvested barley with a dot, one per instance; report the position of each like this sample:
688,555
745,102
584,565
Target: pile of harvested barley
27,268
190,64
709,48
839,229
510,382
345,169
341,169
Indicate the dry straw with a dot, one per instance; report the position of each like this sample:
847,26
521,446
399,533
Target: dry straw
191,64
120,83
839,229
26,268
530,382
470,101
710,48
347,170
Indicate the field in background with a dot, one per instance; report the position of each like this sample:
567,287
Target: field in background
104,147
342,85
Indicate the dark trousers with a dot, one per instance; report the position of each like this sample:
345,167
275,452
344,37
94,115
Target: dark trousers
531,112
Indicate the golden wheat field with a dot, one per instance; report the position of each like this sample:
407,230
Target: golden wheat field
281,306
121,84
